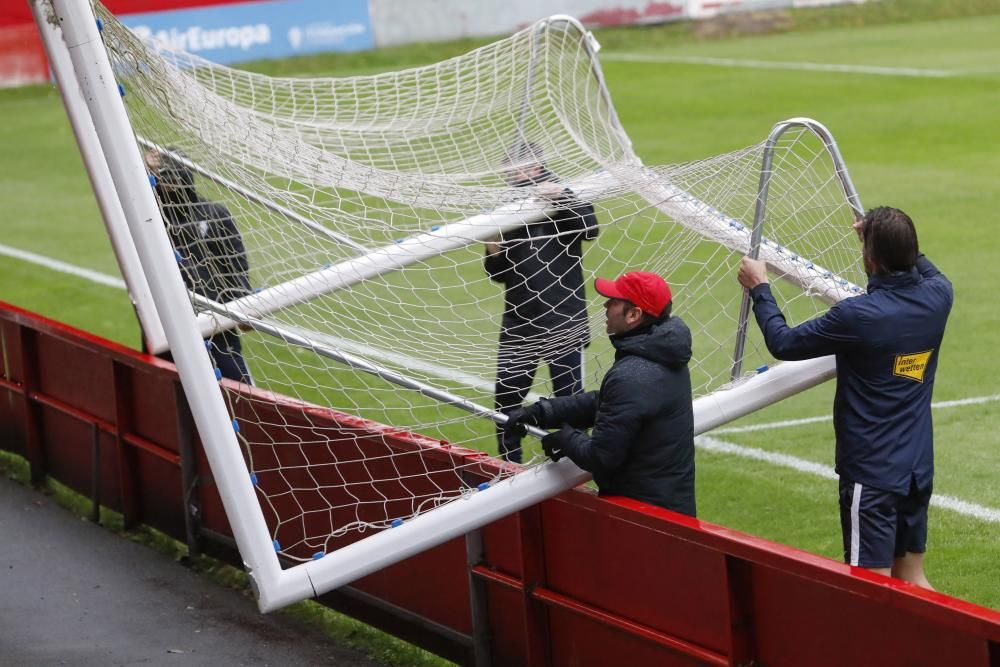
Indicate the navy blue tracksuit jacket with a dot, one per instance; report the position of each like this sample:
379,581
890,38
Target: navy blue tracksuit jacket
887,344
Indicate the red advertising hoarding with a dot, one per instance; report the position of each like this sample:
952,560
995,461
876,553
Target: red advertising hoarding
22,58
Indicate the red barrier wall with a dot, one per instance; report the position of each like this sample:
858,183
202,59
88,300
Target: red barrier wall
576,580
15,13
22,57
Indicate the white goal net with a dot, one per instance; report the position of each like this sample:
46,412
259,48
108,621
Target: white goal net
336,231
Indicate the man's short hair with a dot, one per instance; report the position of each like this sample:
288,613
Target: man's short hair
890,240
648,319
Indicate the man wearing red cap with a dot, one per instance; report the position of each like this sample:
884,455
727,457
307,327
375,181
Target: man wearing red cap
641,443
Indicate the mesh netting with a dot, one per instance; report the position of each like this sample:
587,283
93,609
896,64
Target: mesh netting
346,221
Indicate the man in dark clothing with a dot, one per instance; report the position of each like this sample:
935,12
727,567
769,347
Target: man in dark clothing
642,440
545,309
209,248
886,343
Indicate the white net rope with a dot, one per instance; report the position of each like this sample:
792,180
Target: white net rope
349,216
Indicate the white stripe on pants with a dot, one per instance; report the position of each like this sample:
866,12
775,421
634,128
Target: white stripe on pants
855,525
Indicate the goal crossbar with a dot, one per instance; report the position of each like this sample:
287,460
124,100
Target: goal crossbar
681,206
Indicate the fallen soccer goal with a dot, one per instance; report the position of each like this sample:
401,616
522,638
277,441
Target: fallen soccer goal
324,239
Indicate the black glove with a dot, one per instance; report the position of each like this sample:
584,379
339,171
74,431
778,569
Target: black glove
556,443
519,419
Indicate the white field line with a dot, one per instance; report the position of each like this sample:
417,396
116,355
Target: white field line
771,425
766,426
783,65
711,444
63,267
705,442
717,446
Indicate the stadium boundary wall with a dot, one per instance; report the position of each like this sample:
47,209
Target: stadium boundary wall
232,31
576,580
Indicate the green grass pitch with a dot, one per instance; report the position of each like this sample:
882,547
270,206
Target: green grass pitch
928,144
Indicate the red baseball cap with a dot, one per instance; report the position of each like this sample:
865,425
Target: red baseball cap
647,291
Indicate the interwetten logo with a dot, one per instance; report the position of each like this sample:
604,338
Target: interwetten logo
195,38
912,366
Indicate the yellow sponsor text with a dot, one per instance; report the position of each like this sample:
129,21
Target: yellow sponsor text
912,366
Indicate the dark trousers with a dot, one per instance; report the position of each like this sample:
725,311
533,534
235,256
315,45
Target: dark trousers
227,355
516,367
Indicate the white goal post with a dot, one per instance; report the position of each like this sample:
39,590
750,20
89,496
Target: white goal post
362,205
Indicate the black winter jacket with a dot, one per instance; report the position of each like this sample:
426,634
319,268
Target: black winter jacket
210,250
540,267
642,442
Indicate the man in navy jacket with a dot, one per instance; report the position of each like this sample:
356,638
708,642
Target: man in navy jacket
887,344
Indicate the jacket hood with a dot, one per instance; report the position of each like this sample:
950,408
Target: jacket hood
175,182
667,343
